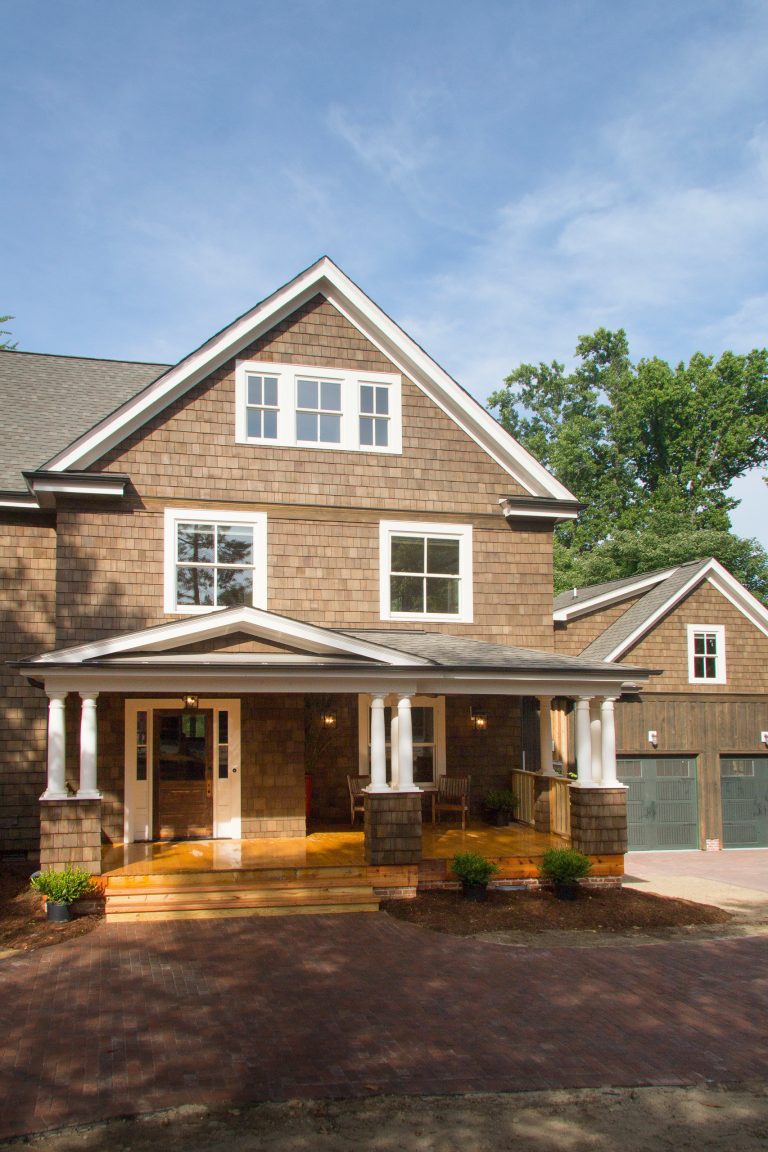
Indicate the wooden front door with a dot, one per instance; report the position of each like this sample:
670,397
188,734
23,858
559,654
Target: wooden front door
183,774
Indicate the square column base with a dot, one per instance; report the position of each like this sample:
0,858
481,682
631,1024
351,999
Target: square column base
392,828
599,821
70,834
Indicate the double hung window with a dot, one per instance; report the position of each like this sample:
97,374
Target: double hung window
261,406
706,654
214,560
318,411
428,727
426,571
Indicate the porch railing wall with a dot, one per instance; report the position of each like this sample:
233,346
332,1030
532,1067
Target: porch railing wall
560,806
523,787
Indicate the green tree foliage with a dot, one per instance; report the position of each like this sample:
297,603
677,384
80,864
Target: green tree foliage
650,449
5,332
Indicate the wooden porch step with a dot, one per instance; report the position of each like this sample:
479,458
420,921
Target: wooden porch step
238,877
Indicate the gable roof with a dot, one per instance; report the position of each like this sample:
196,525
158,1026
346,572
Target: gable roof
49,401
667,588
579,601
326,279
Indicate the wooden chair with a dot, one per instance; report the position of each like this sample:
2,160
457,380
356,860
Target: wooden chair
452,795
356,784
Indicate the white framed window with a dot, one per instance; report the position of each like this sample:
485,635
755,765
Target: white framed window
214,560
308,406
706,654
428,727
425,571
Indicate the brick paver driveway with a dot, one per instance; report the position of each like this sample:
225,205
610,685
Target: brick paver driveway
136,1017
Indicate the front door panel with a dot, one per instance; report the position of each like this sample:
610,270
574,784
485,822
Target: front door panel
183,774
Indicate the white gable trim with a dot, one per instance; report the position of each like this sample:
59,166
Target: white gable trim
721,579
614,596
253,621
326,278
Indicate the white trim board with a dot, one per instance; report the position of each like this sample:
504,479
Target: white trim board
325,278
614,596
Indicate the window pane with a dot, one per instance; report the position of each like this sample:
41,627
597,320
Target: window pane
366,398
270,391
235,544
330,396
194,585
253,423
423,765
223,727
442,595
422,721
407,554
698,667
330,429
306,394
195,543
407,594
382,433
443,556
255,392
366,430
382,401
306,426
141,763
141,727
698,644
270,426
711,645
223,762
235,586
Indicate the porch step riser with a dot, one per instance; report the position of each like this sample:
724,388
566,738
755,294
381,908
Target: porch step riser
235,899
255,878
230,913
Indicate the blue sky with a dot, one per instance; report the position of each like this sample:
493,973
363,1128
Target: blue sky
499,176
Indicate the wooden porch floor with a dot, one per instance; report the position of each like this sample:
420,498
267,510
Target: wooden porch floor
322,848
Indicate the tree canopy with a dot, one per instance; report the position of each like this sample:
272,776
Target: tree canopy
5,332
650,449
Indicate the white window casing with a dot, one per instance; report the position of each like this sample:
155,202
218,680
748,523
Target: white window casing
706,654
309,406
218,568
453,588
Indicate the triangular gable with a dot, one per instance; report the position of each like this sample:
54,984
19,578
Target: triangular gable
617,640
412,361
281,631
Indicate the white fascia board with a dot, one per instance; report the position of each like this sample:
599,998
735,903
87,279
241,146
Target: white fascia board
613,597
254,621
360,310
28,504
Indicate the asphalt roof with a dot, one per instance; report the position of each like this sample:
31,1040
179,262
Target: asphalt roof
642,611
47,402
576,596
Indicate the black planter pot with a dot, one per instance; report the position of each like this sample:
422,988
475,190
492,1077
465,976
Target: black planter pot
475,892
497,819
57,912
567,890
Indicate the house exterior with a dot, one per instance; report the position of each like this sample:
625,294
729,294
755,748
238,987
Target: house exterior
302,551
692,748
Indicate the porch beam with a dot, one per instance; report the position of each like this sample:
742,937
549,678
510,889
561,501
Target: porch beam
88,789
57,747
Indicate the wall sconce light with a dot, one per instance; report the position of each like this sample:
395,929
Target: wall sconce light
478,719
328,719
190,703
653,738
764,738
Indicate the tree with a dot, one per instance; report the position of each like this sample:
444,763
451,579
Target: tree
650,449
6,332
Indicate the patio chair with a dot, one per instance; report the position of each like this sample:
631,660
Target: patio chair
452,795
356,785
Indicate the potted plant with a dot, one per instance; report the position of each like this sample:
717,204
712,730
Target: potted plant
474,871
499,805
564,867
61,889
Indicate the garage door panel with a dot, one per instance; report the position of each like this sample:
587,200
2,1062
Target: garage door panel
744,794
662,801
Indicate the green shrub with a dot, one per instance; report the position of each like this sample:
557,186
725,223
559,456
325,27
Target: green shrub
472,868
62,887
500,800
564,865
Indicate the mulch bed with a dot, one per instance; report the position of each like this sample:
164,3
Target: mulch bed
22,913
595,910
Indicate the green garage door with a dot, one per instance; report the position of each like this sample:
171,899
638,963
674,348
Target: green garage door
661,801
744,791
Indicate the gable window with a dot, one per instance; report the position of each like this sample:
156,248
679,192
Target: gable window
425,571
214,560
706,654
306,406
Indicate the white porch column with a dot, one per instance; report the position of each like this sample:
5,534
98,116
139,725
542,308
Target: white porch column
405,745
596,734
545,735
610,779
57,748
378,747
583,743
88,789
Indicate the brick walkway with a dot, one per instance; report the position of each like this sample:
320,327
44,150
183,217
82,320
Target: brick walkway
138,1017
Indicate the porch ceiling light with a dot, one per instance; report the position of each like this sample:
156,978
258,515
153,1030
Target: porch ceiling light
478,719
190,703
328,719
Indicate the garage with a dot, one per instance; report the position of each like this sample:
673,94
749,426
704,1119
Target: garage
744,794
662,811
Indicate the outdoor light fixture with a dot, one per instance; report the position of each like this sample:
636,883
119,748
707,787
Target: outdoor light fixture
653,738
328,719
190,703
764,738
478,719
